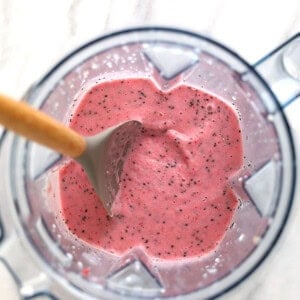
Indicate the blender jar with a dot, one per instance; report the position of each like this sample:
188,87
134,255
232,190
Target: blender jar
45,259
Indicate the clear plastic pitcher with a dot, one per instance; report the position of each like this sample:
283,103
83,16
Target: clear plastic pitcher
45,258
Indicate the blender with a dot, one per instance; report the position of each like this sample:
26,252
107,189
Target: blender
45,259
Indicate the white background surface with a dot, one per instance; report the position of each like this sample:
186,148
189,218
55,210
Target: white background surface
35,34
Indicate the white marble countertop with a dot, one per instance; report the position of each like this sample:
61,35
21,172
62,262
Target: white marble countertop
35,34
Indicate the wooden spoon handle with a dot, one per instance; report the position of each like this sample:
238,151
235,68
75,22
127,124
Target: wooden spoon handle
37,126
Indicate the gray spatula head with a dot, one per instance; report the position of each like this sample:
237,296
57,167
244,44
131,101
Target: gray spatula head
104,157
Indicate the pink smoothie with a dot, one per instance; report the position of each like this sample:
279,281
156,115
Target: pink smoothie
174,198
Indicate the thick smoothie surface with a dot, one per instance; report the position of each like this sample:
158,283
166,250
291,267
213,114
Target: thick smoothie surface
174,199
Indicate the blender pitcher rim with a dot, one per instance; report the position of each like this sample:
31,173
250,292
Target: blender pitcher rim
238,57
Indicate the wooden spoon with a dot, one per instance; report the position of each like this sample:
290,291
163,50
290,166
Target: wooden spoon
102,155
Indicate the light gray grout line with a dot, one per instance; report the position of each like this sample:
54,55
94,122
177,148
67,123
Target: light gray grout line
72,18
215,16
252,294
290,31
4,37
107,20
144,8
6,9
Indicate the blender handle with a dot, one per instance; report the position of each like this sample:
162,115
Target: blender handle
281,70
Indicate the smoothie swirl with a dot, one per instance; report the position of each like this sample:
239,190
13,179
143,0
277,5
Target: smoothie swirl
174,198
